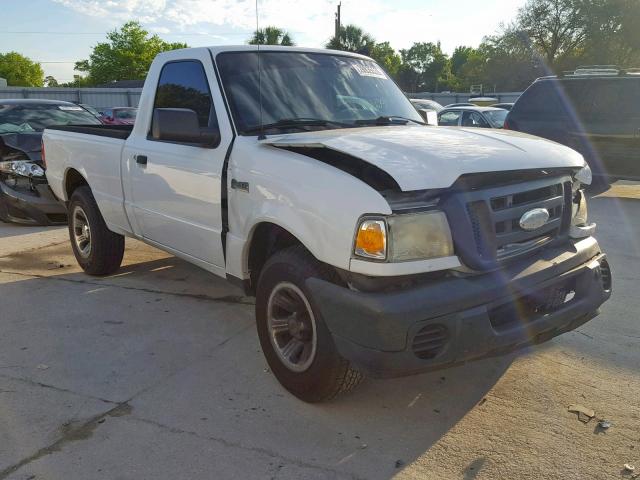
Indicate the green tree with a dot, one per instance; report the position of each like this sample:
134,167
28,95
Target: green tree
461,55
612,32
126,55
387,57
271,36
78,82
352,39
50,81
20,71
511,61
556,27
473,71
425,67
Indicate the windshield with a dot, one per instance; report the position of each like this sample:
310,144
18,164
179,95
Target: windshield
295,85
16,118
128,114
496,117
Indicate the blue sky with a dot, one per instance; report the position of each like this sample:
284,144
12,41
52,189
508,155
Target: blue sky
59,32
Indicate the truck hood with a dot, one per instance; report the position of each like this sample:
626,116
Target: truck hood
420,158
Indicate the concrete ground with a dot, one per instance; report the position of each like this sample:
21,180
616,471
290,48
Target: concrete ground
156,373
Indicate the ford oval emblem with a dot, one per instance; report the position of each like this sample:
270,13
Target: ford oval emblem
534,219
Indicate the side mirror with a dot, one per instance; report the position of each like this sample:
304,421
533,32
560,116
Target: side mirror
430,116
181,125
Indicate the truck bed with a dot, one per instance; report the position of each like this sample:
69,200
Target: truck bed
113,131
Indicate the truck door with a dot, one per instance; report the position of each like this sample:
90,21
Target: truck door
174,188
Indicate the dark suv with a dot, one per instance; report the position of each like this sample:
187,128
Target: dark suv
594,110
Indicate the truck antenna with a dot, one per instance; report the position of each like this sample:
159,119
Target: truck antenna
259,38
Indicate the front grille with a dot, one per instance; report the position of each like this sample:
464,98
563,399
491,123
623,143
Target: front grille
511,238
430,341
490,231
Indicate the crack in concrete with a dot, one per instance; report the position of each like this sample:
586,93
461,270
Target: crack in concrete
69,433
33,383
227,299
73,433
230,444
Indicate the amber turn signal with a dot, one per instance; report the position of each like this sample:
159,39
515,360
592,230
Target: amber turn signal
371,239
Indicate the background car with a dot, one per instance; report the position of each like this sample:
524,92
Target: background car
483,101
504,106
463,104
119,116
25,196
91,109
593,110
483,117
426,104
428,110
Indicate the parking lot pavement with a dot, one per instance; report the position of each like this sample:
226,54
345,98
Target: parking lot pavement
156,372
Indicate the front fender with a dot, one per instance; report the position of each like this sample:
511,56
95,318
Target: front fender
318,204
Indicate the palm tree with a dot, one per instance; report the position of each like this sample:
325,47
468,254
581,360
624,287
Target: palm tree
271,36
352,39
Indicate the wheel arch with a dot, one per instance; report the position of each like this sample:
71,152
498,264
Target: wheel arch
265,239
72,180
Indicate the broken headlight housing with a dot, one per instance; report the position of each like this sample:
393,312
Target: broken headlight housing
22,168
580,227
402,238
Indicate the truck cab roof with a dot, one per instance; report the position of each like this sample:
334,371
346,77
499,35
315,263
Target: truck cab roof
216,49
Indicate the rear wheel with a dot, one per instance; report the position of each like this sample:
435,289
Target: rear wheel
97,249
294,337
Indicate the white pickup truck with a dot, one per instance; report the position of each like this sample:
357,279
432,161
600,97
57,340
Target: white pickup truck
374,244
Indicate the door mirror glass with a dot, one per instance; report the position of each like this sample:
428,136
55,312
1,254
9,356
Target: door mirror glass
181,125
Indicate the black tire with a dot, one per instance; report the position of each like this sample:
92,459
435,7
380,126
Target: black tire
328,374
105,250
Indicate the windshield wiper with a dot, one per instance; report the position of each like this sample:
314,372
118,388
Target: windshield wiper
299,123
387,120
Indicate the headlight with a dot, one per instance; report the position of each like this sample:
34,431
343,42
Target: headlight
401,238
419,236
22,168
584,175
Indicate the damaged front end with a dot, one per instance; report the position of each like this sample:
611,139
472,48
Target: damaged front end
25,196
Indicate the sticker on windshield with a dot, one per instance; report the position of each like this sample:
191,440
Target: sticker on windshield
69,108
369,69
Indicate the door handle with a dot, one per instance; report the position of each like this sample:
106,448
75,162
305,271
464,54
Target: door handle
141,159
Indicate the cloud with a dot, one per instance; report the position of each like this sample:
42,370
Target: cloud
309,21
144,10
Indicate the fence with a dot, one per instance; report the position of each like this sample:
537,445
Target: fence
129,97
97,97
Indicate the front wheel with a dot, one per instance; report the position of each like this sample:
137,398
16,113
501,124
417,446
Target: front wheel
97,249
294,337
